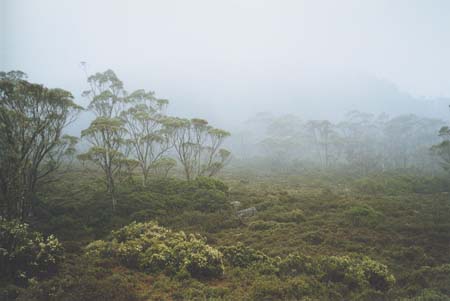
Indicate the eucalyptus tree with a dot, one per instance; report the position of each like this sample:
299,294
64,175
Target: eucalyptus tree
408,139
286,140
186,143
324,137
215,156
106,135
362,136
442,149
161,167
147,134
198,146
32,142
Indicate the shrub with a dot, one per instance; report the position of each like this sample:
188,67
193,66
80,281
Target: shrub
83,281
144,215
296,264
274,288
394,184
357,272
209,200
369,186
199,259
270,288
9,292
154,249
243,256
436,278
25,254
262,225
211,184
431,295
294,216
363,216
314,237
298,288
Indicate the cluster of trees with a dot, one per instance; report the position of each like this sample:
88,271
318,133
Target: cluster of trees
363,141
130,132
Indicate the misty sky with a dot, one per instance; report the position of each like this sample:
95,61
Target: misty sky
225,60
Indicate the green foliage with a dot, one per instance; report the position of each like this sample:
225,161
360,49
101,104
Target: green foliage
32,144
298,264
243,256
160,168
87,214
280,256
357,272
84,280
294,216
25,254
429,278
9,292
262,225
211,184
268,288
442,150
273,288
431,295
398,183
363,216
154,249
198,146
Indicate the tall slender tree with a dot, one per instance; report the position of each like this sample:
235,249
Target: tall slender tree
147,135
107,133
198,146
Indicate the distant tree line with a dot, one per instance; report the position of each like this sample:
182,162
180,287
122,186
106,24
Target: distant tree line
363,142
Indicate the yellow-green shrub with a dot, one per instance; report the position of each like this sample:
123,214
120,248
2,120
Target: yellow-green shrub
154,249
25,254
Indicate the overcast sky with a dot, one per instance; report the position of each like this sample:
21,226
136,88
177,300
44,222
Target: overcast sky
226,59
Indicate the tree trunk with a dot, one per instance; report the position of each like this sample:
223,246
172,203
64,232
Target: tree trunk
144,178
112,191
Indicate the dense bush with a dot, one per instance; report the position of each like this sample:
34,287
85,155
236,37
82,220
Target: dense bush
262,225
152,248
426,278
397,183
301,220
87,214
301,275
243,256
357,272
363,216
294,216
297,264
83,280
273,288
430,295
25,254
211,184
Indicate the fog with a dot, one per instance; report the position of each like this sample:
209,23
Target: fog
226,61
291,150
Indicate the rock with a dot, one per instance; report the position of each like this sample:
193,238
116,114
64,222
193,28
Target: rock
235,204
247,212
